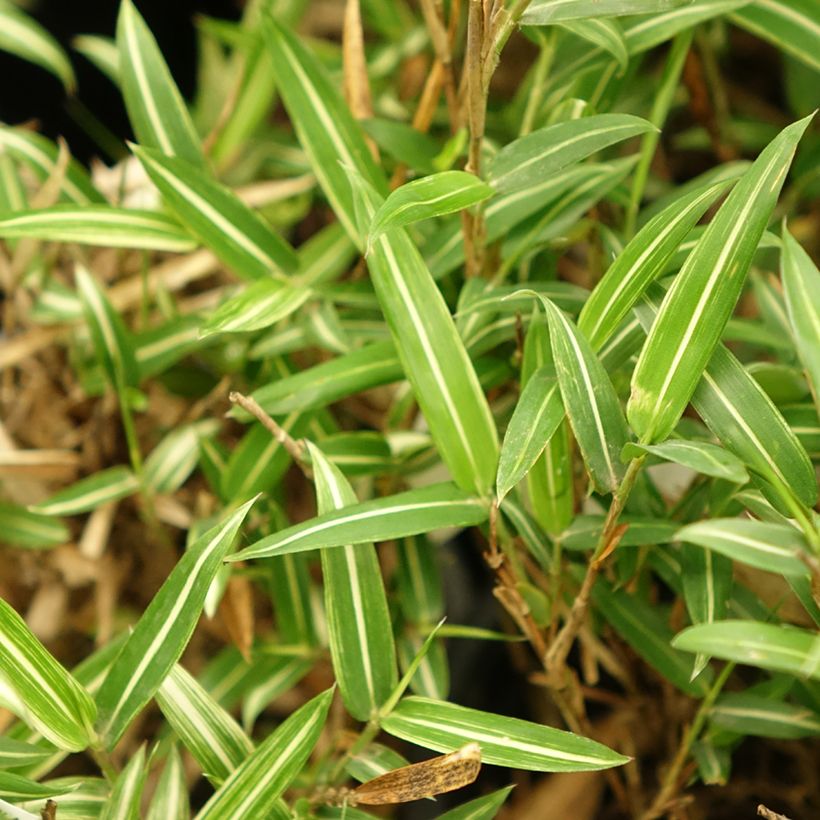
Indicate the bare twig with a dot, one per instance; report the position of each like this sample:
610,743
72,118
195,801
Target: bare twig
296,449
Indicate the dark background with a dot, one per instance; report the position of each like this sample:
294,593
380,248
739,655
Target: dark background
31,93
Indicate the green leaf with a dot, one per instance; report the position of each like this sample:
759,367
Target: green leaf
700,456
770,547
218,218
17,787
30,529
643,627
89,493
590,400
585,530
259,305
430,196
170,797
102,52
253,788
113,345
55,703
404,143
283,673
40,155
418,579
171,462
642,261
323,123
748,714
432,354
742,416
801,284
382,519
360,634
768,646
504,741
24,37
544,152
155,107
546,12
603,32
482,808
792,26
98,225
703,295
15,753
318,386
707,584
160,636
208,732
82,798
537,416
124,802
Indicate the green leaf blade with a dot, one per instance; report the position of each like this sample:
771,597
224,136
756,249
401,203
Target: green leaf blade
703,296
155,107
161,634
253,789
549,150
218,218
768,646
504,741
55,703
396,516
358,619
430,196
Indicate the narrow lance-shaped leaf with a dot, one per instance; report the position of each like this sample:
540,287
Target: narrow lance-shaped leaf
323,123
91,492
253,788
590,401
163,631
801,284
603,32
542,153
792,26
210,734
768,646
546,12
218,218
741,415
640,262
124,802
537,416
98,225
260,305
23,36
41,155
432,353
30,529
170,797
704,293
16,753
396,516
482,808
429,196
155,107
350,373
747,713
707,584
708,459
360,633
55,703
767,546
112,342
504,741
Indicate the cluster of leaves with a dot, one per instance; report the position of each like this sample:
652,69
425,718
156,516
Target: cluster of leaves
522,403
